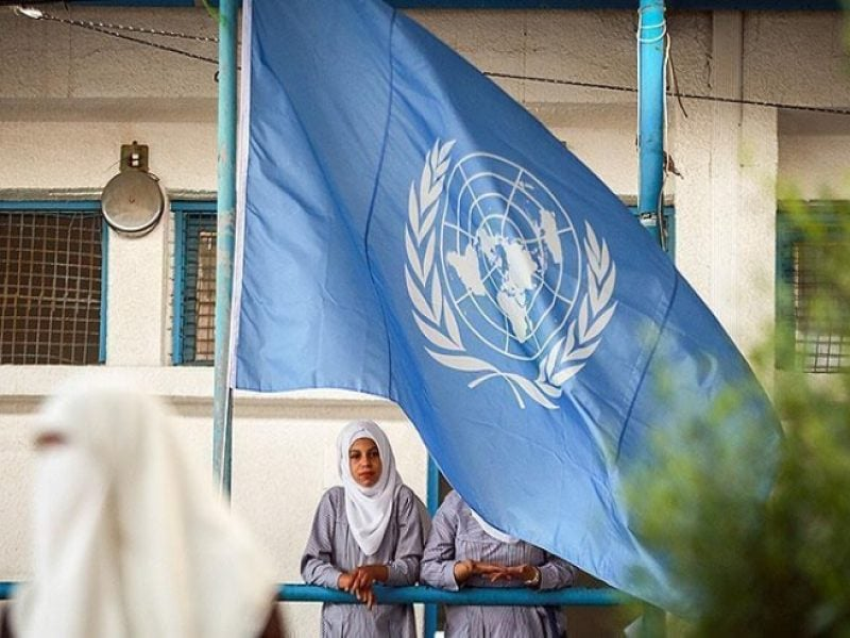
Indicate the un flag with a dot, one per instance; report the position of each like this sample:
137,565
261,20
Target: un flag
407,230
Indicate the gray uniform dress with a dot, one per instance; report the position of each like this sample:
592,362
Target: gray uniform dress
455,536
332,550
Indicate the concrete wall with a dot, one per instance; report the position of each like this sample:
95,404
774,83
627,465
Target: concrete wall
69,98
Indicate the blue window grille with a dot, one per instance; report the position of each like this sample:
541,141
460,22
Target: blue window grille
53,272
194,282
812,309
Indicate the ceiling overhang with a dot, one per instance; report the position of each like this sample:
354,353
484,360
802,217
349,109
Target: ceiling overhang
676,5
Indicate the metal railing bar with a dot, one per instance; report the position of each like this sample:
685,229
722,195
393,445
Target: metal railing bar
572,597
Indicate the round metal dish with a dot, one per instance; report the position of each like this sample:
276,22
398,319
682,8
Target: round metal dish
132,201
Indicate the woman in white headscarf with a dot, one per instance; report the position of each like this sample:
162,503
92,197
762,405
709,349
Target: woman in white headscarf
366,531
130,539
464,550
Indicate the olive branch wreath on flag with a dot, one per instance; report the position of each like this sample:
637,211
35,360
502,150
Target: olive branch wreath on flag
436,319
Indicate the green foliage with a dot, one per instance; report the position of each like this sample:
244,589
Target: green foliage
213,12
781,567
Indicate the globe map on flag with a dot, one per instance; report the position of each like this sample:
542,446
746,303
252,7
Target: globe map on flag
510,255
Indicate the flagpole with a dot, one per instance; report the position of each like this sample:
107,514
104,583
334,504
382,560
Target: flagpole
652,32
223,405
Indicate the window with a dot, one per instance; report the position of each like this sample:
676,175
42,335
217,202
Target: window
52,308
194,283
812,304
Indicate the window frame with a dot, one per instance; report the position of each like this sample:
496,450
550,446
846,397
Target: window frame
179,210
69,207
825,214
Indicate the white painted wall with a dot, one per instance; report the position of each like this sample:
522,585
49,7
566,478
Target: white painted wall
70,98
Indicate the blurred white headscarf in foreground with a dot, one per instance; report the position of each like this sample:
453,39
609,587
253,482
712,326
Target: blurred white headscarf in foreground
130,538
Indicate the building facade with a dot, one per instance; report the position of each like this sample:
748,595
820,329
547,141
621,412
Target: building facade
70,98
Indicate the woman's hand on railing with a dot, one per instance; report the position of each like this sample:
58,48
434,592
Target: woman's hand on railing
528,574
360,582
466,569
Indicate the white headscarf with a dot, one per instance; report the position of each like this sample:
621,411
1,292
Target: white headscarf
130,538
368,509
491,531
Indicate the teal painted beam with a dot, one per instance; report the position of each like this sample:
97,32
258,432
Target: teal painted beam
652,93
433,502
651,103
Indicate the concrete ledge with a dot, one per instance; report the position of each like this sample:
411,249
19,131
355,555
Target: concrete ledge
180,384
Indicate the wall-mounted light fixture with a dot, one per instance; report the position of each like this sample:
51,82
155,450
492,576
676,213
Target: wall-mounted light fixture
133,201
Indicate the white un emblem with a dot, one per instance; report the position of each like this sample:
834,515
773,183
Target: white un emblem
512,265
510,257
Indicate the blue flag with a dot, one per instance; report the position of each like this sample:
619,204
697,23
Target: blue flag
407,230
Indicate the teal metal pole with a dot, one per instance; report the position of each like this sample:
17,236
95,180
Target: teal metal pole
223,406
602,597
577,596
652,88
433,497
